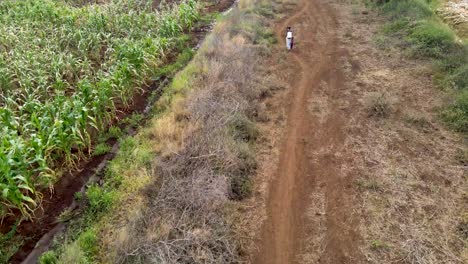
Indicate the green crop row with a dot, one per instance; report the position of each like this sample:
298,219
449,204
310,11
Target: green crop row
64,73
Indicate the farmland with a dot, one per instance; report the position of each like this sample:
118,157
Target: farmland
66,70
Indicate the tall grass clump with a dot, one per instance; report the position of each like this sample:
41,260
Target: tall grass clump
425,36
65,71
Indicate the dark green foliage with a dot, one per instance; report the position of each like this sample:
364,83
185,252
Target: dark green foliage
88,242
456,114
99,198
432,39
101,149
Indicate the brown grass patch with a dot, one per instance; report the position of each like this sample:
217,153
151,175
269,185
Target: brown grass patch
413,187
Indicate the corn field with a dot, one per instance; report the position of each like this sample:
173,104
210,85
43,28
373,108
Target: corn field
64,71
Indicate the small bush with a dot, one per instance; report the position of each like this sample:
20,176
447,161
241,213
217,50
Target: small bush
101,149
127,145
115,132
265,37
246,154
454,58
48,258
459,78
66,215
456,115
266,11
134,120
88,243
378,245
378,104
99,199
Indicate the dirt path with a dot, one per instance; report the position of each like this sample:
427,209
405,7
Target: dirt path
310,200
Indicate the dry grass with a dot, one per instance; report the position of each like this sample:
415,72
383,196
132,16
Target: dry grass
206,157
455,12
413,190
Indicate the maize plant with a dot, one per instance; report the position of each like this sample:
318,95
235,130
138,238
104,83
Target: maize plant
63,69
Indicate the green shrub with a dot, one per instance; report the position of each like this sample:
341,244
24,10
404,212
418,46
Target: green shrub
48,258
241,187
456,115
459,78
115,132
246,154
134,120
266,37
88,242
99,199
454,58
101,149
431,39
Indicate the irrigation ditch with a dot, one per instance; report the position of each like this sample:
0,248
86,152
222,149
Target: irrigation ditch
38,233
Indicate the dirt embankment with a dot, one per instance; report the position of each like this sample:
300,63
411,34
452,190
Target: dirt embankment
359,168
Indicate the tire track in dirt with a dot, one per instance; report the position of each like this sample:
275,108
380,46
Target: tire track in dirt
312,153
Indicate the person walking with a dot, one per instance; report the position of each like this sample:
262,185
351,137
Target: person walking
289,38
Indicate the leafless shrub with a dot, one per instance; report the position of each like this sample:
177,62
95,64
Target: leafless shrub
184,221
379,104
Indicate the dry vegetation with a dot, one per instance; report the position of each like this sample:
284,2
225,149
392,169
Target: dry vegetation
180,180
184,219
413,188
455,12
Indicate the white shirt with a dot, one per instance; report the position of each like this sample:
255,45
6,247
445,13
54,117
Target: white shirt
289,35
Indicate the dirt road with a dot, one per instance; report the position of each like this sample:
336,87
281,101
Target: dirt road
310,199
